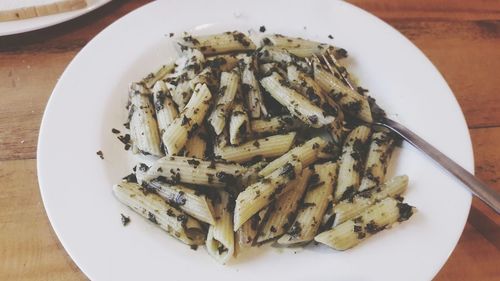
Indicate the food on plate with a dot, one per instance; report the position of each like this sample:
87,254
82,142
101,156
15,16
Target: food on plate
252,139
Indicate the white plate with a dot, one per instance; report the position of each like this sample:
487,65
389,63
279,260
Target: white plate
89,100
20,26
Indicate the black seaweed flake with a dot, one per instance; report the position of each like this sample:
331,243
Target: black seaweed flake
405,211
256,143
185,120
131,178
348,194
267,42
295,230
226,178
330,36
341,53
193,162
241,38
262,28
125,220
358,219
193,247
101,155
221,249
289,171
357,228
152,218
143,167
373,228
182,218
273,229
170,213
125,139
115,131
361,235
171,34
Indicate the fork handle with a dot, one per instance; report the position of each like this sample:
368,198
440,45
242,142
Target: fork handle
478,188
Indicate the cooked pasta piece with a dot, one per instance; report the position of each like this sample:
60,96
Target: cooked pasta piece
188,200
267,69
220,237
297,104
165,108
239,123
151,79
143,126
269,147
273,54
377,160
156,210
249,230
196,145
282,213
251,90
306,153
351,163
374,219
176,135
262,193
226,42
348,209
229,83
350,100
297,46
306,85
275,125
318,195
223,62
187,67
176,169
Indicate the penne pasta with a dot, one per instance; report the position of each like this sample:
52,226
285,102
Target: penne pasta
296,104
226,42
260,194
281,56
313,207
251,89
297,46
239,124
176,135
177,169
150,80
374,219
220,237
165,108
267,69
306,154
305,85
229,83
350,101
156,210
196,145
248,231
282,215
269,147
186,68
351,163
223,63
348,209
144,132
186,199
275,125
377,160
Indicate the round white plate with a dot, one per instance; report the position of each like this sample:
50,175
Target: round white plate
20,26
90,97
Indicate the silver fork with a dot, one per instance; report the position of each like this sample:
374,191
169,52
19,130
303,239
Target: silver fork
478,188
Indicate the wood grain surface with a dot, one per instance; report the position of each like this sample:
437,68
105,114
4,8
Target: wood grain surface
462,38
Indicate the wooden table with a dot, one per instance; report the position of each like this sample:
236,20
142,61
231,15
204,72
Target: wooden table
462,38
